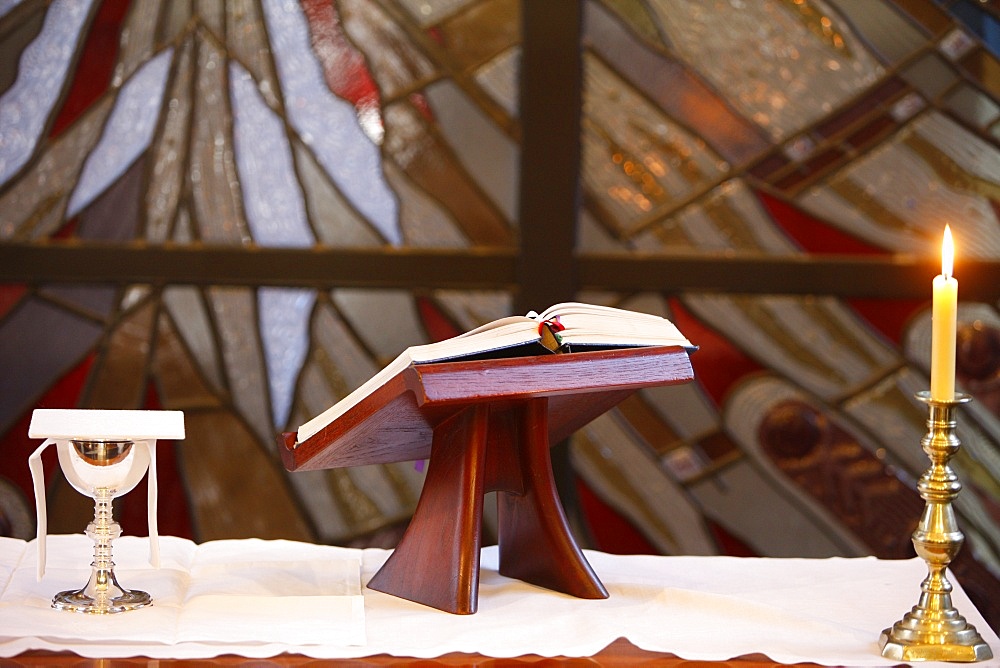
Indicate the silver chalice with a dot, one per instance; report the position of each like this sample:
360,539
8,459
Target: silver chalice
103,454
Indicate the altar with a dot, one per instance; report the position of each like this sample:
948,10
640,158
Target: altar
262,599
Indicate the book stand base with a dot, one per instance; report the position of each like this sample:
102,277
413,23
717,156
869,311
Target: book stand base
500,446
486,426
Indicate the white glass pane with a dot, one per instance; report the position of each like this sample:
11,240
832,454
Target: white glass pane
188,309
127,134
7,5
327,124
284,330
499,78
26,106
272,196
386,320
489,155
335,222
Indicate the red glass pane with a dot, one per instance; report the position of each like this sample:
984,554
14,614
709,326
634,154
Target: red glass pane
96,65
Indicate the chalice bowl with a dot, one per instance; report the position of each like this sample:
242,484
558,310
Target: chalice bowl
104,455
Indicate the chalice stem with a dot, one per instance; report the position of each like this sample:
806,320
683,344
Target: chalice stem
102,531
102,594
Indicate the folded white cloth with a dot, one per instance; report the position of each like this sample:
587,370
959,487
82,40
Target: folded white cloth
207,599
252,598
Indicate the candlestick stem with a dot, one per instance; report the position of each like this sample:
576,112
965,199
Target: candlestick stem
933,630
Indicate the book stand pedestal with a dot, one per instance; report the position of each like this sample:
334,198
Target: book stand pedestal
486,447
491,425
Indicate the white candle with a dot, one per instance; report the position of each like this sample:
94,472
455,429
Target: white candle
944,324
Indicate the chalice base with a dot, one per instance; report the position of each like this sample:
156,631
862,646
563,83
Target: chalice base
102,596
924,636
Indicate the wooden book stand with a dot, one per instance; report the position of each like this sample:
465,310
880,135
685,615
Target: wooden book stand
486,426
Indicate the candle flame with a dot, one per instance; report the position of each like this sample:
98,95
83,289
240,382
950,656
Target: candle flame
947,253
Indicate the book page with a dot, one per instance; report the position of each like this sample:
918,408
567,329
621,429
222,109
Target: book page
583,325
591,324
504,333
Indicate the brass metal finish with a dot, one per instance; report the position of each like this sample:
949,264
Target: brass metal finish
102,594
933,630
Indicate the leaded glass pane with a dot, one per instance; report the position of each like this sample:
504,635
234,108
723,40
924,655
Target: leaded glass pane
428,12
284,330
386,320
423,220
91,301
429,162
170,152
931,75
36,201
40,342
215,187
488,155
937,171
189,313
113,382
676,89
25,106
7,5
246,39
325,123
396,64
128,131
481,32
138,39
829,61
272,197
335,222
889,33
642,162
214,441
669,523
498,77
17,37
114,215
235,312
973,106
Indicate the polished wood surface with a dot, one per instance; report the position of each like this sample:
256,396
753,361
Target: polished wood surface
619,653
486,426
396,422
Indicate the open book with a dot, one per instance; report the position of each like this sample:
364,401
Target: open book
562,328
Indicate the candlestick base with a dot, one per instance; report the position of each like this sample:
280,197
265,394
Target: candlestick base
926,635
933,630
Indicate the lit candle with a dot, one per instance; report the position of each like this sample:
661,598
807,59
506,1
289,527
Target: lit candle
944,319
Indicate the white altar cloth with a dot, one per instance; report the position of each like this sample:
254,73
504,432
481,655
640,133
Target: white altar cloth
827,611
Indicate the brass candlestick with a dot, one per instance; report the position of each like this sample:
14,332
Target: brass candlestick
933,630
